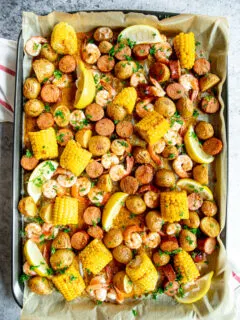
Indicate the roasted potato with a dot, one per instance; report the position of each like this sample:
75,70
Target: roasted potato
187,240
165,106
122,254
48,53
208,81
33,107
135,204
31,88
141,155
124,69
204,130
116,112
62,241
193,221
154,221
113,238
209,208
28,207
165,178
64,39
105,183
210,227
99,145
170,152
43,69
62,258
122,282
200,173
105,46
185,107
40,285
161,258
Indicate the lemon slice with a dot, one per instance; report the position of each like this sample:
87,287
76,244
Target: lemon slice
35,258
202,286
194,148
141,33
86,87
191,185
43,172
112,209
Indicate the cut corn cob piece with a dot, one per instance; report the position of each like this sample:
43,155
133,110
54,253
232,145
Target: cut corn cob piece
152,127
126,98
139,266
184,45
44,144
74,158
146,284
95,256
64,38
186,267
174,205
65,211
70,283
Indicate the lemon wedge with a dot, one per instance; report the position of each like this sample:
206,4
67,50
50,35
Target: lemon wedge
35,258
194,148
43,172
191,185
86,87
141,33
112,209
202,286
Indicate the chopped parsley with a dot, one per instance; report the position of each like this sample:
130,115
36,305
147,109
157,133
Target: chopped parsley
49,271
134,312
116,121
171,156
131,43
67,230
60,114
195,113
60,137
45,45
57,74
157,292
35,46
175,118
96,78
197,43
181,292
189,240
22,233
45,80
28,154
170,252
47,108
24,277
53,250
88,271
128,58
132,216
72,277
99,302
123,143
90,41
34,267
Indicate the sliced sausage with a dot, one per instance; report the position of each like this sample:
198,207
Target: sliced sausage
79,240
199,256
29,163
67,64
124,129
129,185
63,136
195,201
122,51
103,33
175,69
104,127
105,46
160,72
169,243
171,288
175,91
92,215
95,232
207,245
94,169
169,272
141,51
106,63
210,104
94,112
144,174
50,93
209,208
210,227
212,146
201,66
45,120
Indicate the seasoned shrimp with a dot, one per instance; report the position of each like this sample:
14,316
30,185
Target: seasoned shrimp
51,189
151,239
172,229
118,171
155,149
144,107
96,195
33,45
108,160
27,269
119,146
104,96
97,288
77,118
49,231
90,53
63,82
172,138
151,199
81,187
67,179
136,78
132,238
181,165
156,90
189,82
163,52
115,295
33,231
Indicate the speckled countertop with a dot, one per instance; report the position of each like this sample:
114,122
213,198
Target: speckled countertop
10,25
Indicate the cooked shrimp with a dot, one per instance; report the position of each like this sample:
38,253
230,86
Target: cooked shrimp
155,149
136,78
81,187
163,52
117,172
181,165
144,107
76,118
156,90
109,159
51,189
97,288
106,95
96,195
132,238
173,229
49,231
64,81
119,146
67,180
151,240
189,82
33,231
115,295
27,270
172,137
33,45
151,199
90,53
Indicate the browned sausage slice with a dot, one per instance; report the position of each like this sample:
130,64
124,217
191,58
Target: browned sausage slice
95,232
169,272
124,129
199,256
94,169
94,112
79,240
168,243
175,69
92,215
144,174
63,136
141,51
209,208
106,63
29,163
207,245
122,51
195,201
171,288
129,185
159,71
104,127
50,93
67,64
201,66
212,146
175,91
210,104
45,120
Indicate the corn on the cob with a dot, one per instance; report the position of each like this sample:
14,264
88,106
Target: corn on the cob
185,266
126,98
64,38
74,158
184,45
152,127
139,266
95,256
146,284
70,283
44,144
174,205
65,211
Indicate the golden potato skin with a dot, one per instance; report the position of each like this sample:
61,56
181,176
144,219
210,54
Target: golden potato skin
187,240
122,282
28,207
62,258
209,208
124,69
141,155
105,183
161,259
193,221
154,221
122,254
200,173
33,107
116,112
135,204
170,152
62,241
48,53
165,178
40,285
204,130
43,69
113,238
31,88
185,107
165,106
99,145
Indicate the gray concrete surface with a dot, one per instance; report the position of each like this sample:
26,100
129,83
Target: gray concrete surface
10,25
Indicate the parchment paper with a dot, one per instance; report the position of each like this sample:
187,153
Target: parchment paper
212,32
